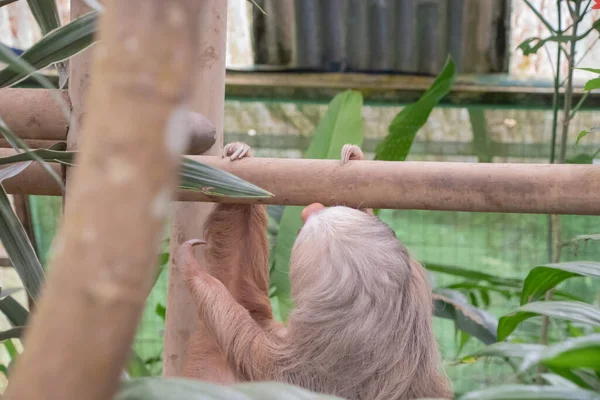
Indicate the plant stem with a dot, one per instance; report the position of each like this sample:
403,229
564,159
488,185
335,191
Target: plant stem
555,222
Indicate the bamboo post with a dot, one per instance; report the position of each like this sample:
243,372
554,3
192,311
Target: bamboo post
106,252
189,217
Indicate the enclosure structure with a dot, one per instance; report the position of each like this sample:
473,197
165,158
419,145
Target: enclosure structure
568,189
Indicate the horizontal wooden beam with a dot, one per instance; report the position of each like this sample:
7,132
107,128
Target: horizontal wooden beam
35,116
469,90
510,188
33,113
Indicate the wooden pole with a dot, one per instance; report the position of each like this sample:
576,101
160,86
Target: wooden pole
450,186
33,113
189,217
106,252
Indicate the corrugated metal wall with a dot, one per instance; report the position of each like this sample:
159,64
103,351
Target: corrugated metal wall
400,36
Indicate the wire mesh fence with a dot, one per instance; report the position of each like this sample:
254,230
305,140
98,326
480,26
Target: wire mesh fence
503,244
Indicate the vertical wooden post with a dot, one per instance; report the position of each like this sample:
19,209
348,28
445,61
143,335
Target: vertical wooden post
105,258
188,217
79,84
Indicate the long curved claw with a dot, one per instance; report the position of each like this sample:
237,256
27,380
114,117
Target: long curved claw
236,150
351,152
186,259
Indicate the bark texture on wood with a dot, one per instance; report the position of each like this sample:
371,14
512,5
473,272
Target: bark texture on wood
450,186
188,218
33,113
106,252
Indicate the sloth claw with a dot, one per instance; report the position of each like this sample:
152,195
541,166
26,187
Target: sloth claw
351,152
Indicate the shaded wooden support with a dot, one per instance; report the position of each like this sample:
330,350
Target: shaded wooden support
33,113
468,90
188,218
494,187
31,143
104,260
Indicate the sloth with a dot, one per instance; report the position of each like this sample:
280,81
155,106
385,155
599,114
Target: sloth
362,323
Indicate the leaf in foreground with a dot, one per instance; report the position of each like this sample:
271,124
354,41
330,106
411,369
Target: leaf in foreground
581,352
193,174
56,46
15,239
188,389
450,304
545,277
531,392
573,311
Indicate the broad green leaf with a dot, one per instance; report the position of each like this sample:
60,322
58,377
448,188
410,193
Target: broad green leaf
404,127
18,145
190,389
45,13
14,333
342,124
580,159
16,314
16,242
566,310
531,392
450,304
545,277
58,45
581,352
581,135
592,84
136,367
474,275
193,175
508,350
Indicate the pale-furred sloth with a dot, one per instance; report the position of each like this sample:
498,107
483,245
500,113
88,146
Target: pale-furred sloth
362,323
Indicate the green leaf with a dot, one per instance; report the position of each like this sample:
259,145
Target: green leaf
528,49
11,349
566,310
17,244
592,84
404,127
342,124
58,45
213,181
581,135
193,175
508,350
593,70
581,352
545,277
190,389
16,314
580,159
137,368
45,13
161,311
474,275
14,333
508,293
557,380
7,2
531,392
450,304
